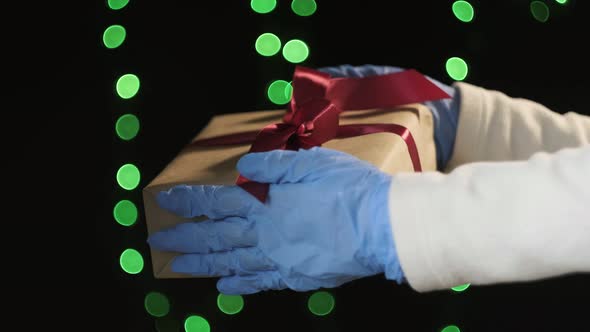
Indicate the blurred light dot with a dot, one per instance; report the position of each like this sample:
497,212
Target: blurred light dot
127,126
463,11
128,176
451,328
295,51
288,91
125,213
561,2
117,4
114,36
304,7
457,68
268,44
230,304
263,6
196,324
167,325
276,92
156,304
131,261
127,86
540,11
321,303
460,288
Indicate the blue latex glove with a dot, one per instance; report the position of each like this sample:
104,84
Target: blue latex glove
325,222
445,112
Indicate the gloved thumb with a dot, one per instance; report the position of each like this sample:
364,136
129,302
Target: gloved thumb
288,166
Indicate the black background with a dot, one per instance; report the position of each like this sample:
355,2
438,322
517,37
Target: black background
195,60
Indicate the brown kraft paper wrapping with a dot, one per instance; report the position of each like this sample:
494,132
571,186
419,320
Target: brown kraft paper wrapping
215,165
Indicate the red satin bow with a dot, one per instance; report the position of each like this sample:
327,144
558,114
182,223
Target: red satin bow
313,114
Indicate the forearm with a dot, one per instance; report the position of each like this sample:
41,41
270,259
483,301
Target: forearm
495,127
487,223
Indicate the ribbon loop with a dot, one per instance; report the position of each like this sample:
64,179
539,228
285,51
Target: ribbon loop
308,84
324,122
305,129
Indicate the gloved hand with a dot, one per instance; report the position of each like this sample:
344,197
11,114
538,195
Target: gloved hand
445,112
325,222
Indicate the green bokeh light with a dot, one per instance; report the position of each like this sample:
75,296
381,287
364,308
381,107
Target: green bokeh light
117,4
196,323
321,303
288,91
540,11
460,288
128,176
156,304
131,261
263,6
457,68
125,213
463,11
167,324
230,304
127,126
277,92
114,36
295,51
268,44
561,2
304,7
451,328
127,86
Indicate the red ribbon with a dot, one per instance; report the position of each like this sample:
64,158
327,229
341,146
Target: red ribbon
313,114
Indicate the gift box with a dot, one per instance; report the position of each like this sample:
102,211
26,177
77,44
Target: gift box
393,138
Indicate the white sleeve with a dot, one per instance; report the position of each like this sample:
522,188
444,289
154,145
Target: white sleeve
496,127
493,222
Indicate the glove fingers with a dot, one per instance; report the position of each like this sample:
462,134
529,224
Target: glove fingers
287,166
215,202
252,283
206,236
235,262
359,71
337,71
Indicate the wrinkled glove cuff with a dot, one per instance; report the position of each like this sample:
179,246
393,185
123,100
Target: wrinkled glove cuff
445,115
385,250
